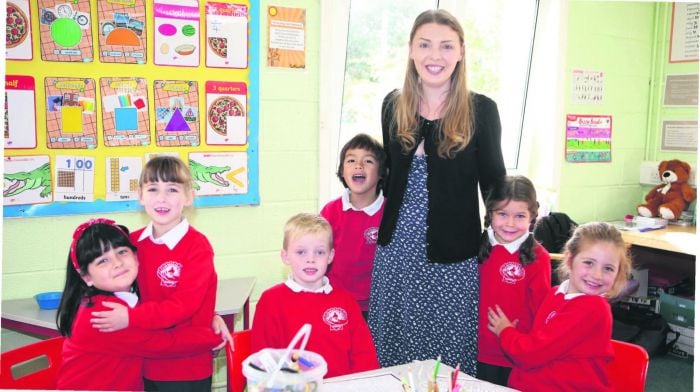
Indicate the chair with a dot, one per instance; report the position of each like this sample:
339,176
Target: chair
34,366
234,360
628,369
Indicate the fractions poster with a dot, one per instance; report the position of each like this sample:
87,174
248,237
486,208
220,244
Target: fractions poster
588,138
20,117
122,174
226,113
66,30
71,121
227,35
219,173
125,112
122,31
176,26
75,178
177,113
18,37
286,32
27,180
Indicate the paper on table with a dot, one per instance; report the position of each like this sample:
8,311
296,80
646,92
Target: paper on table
386,382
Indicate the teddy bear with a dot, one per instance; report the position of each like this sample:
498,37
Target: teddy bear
673,195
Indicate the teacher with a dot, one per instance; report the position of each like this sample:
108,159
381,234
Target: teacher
442,141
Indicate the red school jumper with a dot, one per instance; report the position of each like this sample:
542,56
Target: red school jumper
97,361
178,287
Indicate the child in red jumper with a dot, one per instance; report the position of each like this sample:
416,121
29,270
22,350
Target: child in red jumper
338,333
355,216
569,344
176,276
515,270
102,266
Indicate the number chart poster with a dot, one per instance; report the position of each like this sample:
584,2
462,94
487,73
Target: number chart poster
588,138
83,118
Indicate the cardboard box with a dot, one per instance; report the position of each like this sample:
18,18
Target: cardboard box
677,310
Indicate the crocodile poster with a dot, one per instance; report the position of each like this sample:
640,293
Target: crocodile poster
222,173
26,180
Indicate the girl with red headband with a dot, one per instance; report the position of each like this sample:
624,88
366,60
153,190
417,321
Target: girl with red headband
102,266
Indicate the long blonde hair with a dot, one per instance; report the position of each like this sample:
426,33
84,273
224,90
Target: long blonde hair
456,128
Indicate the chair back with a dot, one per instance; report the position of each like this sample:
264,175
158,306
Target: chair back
234,360
34,366
628,369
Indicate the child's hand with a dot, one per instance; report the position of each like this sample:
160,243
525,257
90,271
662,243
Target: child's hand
218,325
498,321
111,320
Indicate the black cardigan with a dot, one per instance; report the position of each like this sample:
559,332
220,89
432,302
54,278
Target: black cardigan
454,227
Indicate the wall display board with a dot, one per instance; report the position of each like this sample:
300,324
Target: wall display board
78,130
588,138
685,33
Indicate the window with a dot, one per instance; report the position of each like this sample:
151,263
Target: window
499,39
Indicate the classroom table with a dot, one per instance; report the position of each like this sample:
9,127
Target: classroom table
389,379
23,315
678,239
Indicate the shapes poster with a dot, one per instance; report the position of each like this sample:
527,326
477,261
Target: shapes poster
122,31
286,32
177,113
74,178
125,112
225,114
227,35
588,138
176,36
20,118
219,173
18,30
71,121
26,180
66,30
122,174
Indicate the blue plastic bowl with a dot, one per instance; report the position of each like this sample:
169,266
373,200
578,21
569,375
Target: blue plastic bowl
48,300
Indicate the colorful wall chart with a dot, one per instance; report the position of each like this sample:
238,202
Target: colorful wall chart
66,30
20,119
176,39
122,31
18,37
588,138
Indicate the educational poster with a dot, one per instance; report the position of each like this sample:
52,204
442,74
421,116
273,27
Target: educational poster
176,40
588,138
286,31
227,35
681,90
71,121
125,112
27,180
66,30
219,173
226,113
685,29
679,135
587,87
75,178
122,31
18,33
20,117
122,174
177,113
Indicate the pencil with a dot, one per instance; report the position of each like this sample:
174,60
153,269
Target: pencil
437,367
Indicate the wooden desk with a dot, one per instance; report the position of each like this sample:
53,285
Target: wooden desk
679,239
23,315
388,379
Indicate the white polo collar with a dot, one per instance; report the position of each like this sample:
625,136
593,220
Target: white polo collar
326,288
564,287
512,247
369,210
171,238
130,298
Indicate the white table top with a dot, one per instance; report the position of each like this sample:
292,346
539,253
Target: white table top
231,296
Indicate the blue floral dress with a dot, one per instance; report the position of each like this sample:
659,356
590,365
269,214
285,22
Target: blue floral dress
419,310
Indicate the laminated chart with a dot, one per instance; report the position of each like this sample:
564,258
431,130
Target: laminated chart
122,31
176,33
18,34
219,173
177,113
66,30
74,178
122,174
26,180
125,112
227,35
286,29
226,110
20,117
71,121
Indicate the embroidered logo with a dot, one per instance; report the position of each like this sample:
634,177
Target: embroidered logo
371,235
550,316
169,273
336,318
512,272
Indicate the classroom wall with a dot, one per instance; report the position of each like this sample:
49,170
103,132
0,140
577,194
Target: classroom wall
629,42
246,239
